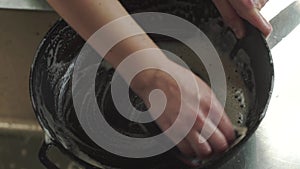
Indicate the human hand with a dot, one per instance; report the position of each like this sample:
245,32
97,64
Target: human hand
193,145
233,11
147,80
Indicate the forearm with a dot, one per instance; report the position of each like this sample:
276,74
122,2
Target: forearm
87,16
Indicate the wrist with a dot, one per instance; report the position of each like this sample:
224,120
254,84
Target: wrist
149,79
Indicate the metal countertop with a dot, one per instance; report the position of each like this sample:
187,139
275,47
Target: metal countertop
276,143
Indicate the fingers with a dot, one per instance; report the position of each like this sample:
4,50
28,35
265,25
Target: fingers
211,133
226,127
214,111
204,139
185,147
249,10
260,3
231,18
218,116
199,144
206,136
233,10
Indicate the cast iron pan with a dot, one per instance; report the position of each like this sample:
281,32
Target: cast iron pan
50,87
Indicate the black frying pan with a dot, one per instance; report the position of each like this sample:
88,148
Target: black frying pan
50,87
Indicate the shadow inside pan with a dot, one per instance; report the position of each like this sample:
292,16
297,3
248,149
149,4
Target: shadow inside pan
247,64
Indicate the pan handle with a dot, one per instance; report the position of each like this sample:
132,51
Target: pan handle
43,156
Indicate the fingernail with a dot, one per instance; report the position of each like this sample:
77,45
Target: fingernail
268,27
267,24
270,32
268,36
238,33
209,150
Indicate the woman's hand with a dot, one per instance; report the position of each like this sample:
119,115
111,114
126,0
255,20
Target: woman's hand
94,14
193,144
233,11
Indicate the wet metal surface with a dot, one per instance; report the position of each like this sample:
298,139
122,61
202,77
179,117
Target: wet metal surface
284,23
274,146
20,134
276,142
20,35
25,5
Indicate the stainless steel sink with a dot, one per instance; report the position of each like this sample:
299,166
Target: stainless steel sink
25,5
20,135
275,144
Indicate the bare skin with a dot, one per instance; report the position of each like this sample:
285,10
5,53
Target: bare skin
233,11
87,16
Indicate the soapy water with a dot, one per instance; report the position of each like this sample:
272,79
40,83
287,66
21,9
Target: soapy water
88,61
240,95
240,78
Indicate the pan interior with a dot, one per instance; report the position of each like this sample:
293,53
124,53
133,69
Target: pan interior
51,82
239,75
